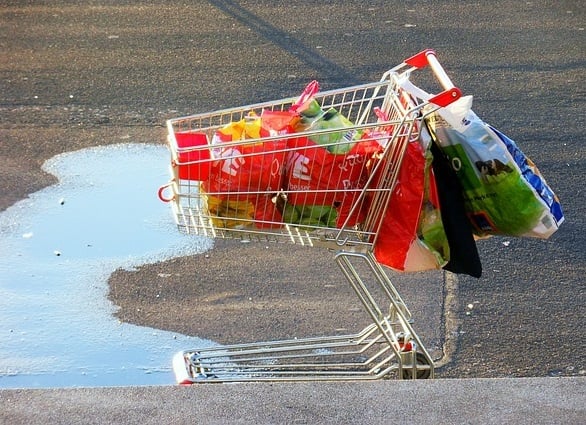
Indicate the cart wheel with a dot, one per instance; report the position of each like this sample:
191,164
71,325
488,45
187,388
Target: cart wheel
421,360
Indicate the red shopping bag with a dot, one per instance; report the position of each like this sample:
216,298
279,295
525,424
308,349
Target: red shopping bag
325,172
266,213
317,177
245,168
251,171
193,156
411,236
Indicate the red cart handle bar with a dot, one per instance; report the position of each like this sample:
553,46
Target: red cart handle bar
428,57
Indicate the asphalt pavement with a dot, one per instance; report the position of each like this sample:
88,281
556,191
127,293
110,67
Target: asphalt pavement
441,401
75,74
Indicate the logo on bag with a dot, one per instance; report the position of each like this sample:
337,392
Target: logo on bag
298,165
456,164
351,161
275,168
351,184
273,132
232,161
492,167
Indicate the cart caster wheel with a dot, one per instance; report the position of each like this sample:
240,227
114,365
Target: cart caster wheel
421,360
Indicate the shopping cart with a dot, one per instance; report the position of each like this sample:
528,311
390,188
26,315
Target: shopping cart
260,185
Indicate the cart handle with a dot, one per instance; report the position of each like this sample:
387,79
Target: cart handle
428,57
162,190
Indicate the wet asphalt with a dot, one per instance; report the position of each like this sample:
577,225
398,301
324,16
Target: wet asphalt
78,74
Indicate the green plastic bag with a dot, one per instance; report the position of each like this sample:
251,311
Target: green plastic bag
501,198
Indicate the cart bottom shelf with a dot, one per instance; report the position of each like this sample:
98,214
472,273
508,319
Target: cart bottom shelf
367,355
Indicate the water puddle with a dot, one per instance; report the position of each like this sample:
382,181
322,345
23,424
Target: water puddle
57,250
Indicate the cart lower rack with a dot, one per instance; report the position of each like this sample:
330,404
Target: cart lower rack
319,171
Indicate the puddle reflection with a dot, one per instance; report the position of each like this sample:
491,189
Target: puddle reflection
59,246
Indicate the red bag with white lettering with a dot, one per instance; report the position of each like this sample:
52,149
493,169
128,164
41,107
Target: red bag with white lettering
246,168
250,172
317,177
325,171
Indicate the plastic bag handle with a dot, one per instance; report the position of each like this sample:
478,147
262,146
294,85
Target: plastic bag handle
428,58
380,114
310,90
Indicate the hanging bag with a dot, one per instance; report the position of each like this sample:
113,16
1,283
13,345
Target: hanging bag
504,192
411,236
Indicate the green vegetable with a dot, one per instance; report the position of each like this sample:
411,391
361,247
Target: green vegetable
291,214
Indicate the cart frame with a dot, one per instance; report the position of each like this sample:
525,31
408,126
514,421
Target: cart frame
389,346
